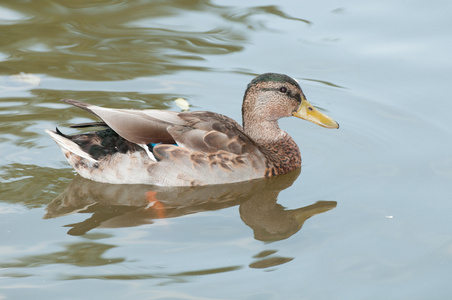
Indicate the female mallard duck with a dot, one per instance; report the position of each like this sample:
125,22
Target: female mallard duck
193,148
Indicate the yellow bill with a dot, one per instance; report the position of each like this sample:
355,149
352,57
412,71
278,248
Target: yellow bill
310,113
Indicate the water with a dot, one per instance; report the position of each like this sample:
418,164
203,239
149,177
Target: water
367,217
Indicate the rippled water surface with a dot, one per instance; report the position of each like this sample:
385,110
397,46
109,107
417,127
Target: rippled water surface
368,216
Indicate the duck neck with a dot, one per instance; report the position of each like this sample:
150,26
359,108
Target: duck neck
263,132
280,150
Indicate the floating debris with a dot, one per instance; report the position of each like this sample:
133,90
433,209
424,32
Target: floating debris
28,78
182,104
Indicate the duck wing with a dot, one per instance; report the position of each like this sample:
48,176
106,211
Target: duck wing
198,131
136,126
210,132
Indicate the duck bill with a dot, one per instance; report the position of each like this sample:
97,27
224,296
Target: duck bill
310,113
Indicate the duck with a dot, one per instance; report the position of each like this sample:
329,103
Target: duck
193,148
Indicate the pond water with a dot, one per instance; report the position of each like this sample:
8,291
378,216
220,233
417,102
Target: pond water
368,216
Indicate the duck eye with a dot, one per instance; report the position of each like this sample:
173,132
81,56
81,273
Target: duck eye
283,89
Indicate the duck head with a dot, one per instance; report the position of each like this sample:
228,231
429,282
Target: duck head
272,96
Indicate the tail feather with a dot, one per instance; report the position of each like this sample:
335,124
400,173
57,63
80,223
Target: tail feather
65,143
62,134
89,124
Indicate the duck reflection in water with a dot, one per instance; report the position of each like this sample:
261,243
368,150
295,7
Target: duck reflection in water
113,205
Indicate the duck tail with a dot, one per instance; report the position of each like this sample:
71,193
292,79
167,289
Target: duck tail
57,131
67,145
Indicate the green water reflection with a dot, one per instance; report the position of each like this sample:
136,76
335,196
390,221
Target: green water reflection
115,40
77,254
30,185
